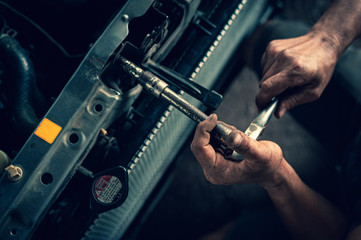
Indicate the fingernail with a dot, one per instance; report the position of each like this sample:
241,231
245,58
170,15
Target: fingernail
235,139
212,116
281,113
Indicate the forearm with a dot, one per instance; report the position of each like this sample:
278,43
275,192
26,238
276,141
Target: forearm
340,24
306,214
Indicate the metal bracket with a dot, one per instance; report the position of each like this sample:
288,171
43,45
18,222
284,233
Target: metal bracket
67,132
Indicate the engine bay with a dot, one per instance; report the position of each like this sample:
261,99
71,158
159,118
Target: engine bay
84,143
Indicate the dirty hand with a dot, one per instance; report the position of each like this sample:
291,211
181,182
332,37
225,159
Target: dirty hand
261,164
297,70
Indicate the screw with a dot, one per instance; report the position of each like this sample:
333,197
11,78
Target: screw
103,132
125,18
15,173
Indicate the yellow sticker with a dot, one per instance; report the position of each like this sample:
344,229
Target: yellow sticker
47,130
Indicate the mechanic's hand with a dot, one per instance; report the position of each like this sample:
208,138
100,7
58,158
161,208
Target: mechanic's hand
261,163
303,66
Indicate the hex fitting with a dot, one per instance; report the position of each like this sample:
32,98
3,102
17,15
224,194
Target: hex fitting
15,173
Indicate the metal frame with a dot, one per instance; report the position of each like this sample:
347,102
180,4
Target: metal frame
84,107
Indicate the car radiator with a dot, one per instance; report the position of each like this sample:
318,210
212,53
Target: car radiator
173,128
63,162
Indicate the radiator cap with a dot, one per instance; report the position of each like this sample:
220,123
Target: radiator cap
109,189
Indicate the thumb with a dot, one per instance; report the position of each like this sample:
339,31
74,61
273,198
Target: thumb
241,143
292,99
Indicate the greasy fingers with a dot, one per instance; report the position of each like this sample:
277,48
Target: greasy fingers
275,48
217,171
271,87
287,72
202,133
244,145
200,145
239,142
297,70
213,164
261,162
296,97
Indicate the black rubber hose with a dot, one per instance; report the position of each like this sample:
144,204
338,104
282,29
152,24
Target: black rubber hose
20,85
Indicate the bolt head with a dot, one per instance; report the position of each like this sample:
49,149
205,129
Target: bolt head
15,173
125,18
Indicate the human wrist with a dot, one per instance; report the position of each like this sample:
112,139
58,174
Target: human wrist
340,24
281,179
329,40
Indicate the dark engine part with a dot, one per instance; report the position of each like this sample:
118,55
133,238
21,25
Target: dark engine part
19,78
103,140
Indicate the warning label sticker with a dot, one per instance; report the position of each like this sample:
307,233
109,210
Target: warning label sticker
107,188
47,130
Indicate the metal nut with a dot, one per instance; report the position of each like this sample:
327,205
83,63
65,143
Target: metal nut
125,18
15,173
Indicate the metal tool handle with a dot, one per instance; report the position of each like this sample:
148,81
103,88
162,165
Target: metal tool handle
160,89
258,125
210,98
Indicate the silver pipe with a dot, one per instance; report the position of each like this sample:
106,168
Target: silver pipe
160,89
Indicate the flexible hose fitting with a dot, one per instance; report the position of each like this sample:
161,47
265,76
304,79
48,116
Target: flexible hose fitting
20,85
